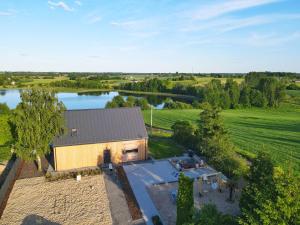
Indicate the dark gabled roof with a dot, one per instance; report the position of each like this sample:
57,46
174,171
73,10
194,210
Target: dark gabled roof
102,125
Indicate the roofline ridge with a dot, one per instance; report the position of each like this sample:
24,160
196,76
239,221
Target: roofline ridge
72,110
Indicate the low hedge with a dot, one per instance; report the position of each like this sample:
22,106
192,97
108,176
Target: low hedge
69,175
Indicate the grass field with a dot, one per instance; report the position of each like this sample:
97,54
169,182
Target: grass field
275,131
161,145
5,138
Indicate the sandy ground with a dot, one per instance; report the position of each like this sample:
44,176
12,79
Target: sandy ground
161,196
35,201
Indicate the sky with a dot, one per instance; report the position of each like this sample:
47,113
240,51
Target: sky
200,36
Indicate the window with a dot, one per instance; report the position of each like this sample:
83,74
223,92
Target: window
130,151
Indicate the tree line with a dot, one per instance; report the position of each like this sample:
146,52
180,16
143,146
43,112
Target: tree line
81,83
258,90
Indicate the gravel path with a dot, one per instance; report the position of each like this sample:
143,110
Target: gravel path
35,201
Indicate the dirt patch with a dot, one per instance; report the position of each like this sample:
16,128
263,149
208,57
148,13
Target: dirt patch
36,201
133,205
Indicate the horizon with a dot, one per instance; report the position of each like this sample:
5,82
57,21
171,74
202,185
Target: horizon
168,36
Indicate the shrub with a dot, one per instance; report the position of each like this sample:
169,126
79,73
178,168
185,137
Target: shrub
156,220
68,175
4,108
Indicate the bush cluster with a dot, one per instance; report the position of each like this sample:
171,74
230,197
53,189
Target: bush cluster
68,175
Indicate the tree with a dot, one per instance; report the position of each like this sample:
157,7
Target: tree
225,100
245,96
233,90
185,200
183,133
272,196
212,92
214,143
38,119
4,109
257,99
209,215
211,128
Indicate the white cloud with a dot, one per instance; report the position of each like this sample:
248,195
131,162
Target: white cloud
125,24
260,40
61,5
224,7
230,24
79,3
8,13
93,17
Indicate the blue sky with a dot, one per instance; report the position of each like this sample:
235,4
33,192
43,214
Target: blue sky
150,35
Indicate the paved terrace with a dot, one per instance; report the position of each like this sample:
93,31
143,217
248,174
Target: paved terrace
141,175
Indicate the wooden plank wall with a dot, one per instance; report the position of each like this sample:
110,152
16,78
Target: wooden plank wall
78,156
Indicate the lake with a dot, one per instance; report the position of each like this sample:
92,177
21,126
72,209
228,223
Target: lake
87,100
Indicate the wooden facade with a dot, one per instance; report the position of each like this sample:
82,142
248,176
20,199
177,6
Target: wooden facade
90,155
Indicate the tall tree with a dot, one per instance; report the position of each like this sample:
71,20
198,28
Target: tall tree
211,129
38,119
272,196
185,200
245,96
183,133
233,90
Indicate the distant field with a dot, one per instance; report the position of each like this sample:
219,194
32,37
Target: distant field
41,80
275,131
5,138
201,81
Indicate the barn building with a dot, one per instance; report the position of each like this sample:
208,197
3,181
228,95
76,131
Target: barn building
97,136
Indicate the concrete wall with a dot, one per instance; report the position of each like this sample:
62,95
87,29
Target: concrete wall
9,182
79,156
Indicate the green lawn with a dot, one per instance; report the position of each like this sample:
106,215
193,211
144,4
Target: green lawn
5,138
276,131
161,146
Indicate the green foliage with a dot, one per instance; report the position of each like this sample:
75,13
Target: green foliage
214,143
6,137
245,96
161,145
185,200
4,109
80,83
183,133
68,175
118,101
277,131
293,86
151,85
233,90
272,196
170,104
38,119
209,215
257,99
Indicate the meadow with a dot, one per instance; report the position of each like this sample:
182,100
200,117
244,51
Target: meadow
276,131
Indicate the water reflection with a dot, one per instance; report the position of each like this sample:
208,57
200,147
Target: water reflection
88,100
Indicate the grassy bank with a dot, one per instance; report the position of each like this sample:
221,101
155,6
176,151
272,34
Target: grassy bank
161,146
5,138
276,131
